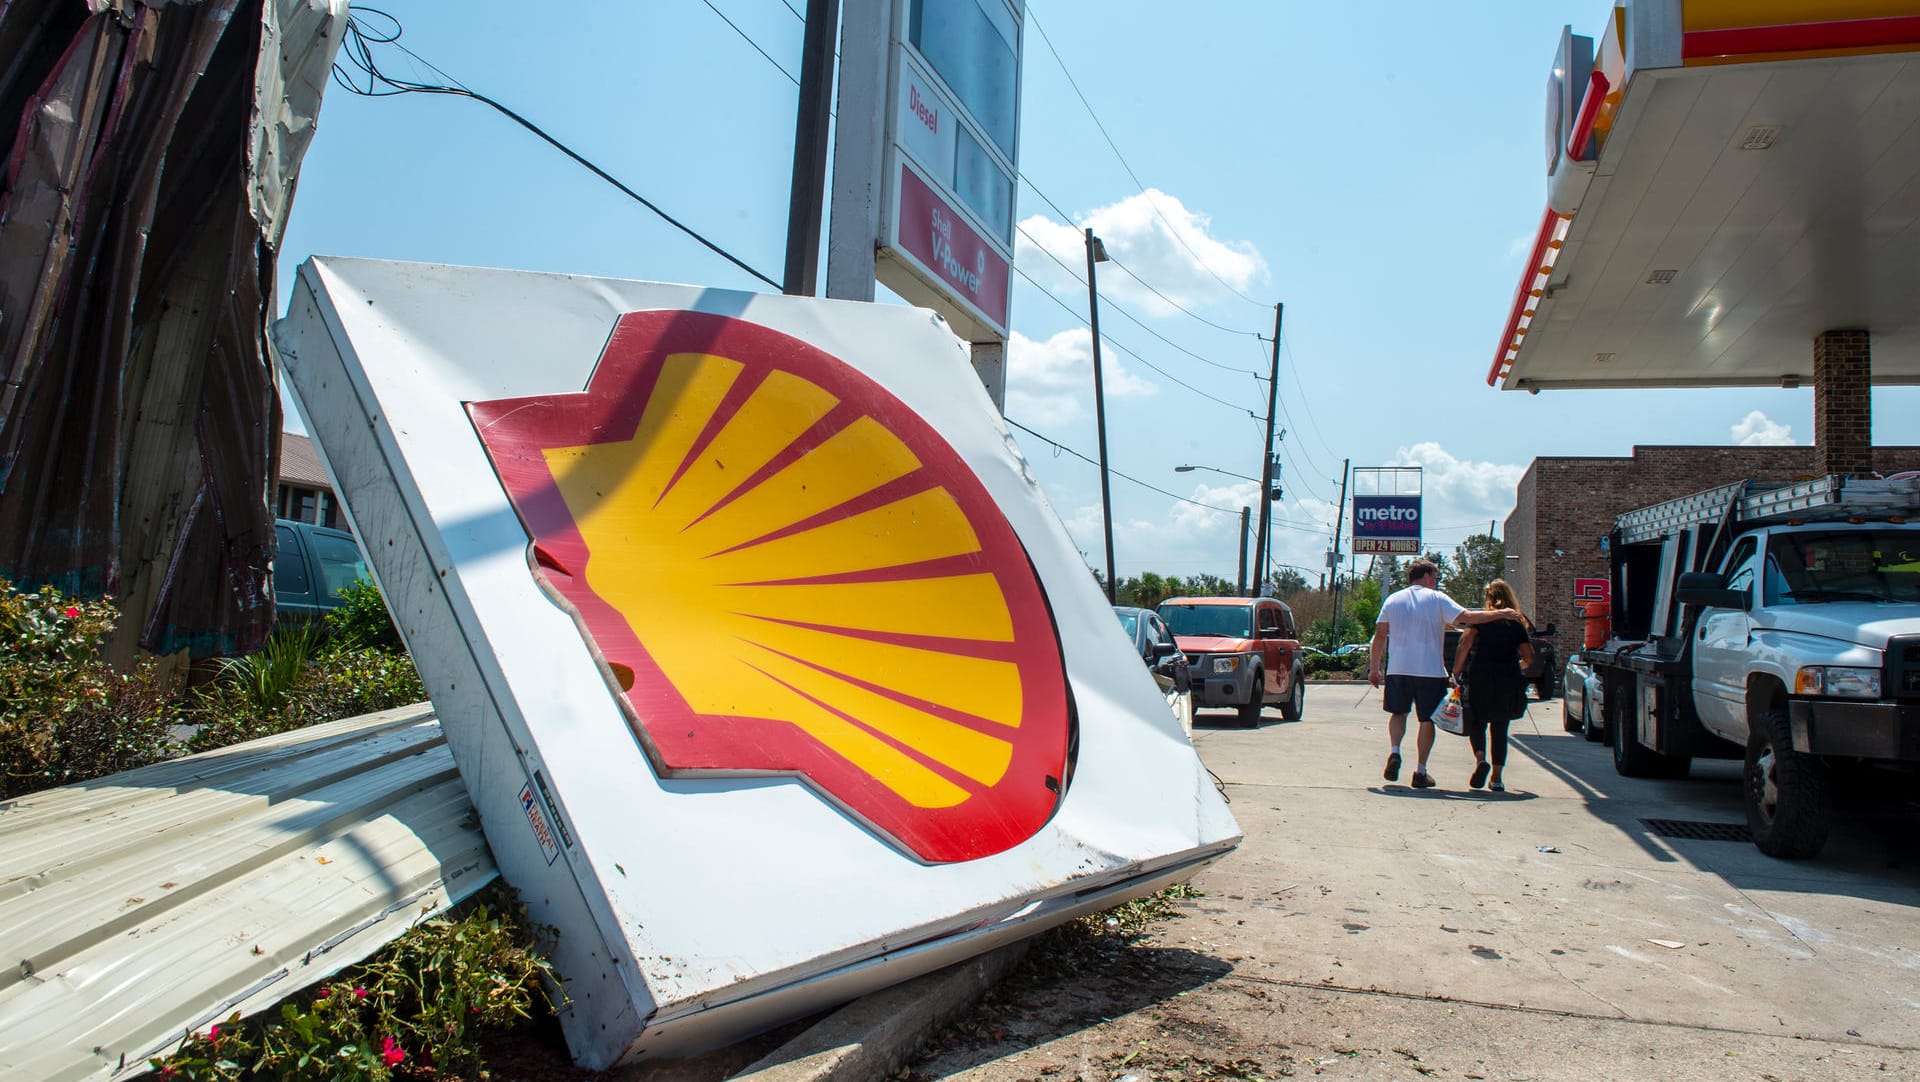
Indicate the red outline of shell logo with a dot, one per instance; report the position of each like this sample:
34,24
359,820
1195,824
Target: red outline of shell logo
788,571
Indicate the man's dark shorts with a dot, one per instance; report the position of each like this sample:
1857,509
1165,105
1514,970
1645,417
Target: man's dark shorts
1421,694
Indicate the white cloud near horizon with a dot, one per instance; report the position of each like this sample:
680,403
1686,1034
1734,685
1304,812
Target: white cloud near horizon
1757,429
1461,495
1051,382
1157,237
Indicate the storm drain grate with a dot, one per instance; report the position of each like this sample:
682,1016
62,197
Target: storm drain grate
1696,830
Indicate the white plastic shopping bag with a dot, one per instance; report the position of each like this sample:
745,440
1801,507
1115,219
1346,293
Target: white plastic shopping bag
1451,715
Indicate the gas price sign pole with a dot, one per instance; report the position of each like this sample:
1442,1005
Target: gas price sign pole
925,160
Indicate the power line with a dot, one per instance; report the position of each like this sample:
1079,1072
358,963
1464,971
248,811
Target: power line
1293,366
795,10
1058,446
1287,414
1129,168
1118,307
756,45
1133,353
357,47
1065,217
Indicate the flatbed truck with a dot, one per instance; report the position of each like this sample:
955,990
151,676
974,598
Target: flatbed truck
1777,624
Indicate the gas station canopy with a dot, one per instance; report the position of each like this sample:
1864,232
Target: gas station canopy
1728,179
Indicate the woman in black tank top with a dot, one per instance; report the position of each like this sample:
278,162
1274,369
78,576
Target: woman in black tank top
1487,664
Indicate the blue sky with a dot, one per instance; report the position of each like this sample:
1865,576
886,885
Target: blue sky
1377,167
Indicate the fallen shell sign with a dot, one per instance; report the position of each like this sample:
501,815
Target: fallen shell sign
786,570
770,672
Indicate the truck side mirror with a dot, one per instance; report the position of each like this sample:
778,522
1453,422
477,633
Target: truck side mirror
1708,589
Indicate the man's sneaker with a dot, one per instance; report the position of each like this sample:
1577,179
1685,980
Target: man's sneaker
1422,780
1393,766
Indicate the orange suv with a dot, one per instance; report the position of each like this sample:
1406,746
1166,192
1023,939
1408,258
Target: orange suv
1244,652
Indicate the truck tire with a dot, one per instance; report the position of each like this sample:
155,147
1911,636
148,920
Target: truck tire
1256,701
1789,804
1296,703
1632,759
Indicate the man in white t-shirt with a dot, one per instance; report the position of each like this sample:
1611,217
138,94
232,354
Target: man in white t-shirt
1414,666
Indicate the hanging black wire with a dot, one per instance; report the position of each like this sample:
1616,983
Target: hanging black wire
368,80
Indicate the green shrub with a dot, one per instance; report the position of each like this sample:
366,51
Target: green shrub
1325,664
265,681
417,1007
337,683
361,622
65,715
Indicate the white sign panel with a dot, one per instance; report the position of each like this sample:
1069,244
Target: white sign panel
925,124
772,675
947,220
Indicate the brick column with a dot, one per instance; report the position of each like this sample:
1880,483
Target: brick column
1843,402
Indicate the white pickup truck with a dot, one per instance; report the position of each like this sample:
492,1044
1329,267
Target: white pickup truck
1775,623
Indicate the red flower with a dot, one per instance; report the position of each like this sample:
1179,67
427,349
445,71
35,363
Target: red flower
392,1053
323,993
213,1035
73,611
359,993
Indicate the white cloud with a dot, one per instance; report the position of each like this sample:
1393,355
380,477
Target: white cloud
1048,382
1157,238
1759,430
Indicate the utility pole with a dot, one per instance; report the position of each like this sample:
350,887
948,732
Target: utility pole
807,200
1266,462
1097,253
1240,584
1338,522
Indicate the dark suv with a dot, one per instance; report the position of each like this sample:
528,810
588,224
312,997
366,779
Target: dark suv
311,565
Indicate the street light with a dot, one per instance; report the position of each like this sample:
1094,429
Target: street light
1097,253
1241,584
1215,469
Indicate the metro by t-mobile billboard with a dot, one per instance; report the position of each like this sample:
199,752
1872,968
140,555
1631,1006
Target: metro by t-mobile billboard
1386,525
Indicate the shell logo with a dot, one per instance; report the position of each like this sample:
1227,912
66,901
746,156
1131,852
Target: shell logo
787,571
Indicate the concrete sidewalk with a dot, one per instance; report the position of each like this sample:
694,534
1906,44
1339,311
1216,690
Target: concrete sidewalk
1377,931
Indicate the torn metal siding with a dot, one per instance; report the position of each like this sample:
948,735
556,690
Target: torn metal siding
138,906
152,157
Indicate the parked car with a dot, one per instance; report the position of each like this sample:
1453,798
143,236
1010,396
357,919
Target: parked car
1163,658
311,565
1353,648
1583,705
1245,653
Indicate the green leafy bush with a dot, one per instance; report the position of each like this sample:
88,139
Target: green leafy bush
335,683
416,1009
1327,664
65,715
361,622
265,681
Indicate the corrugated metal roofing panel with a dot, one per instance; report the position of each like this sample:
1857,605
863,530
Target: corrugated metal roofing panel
141,905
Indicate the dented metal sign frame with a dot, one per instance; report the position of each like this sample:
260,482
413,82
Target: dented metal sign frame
696,907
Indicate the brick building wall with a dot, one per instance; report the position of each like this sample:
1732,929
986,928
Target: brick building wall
1563,508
